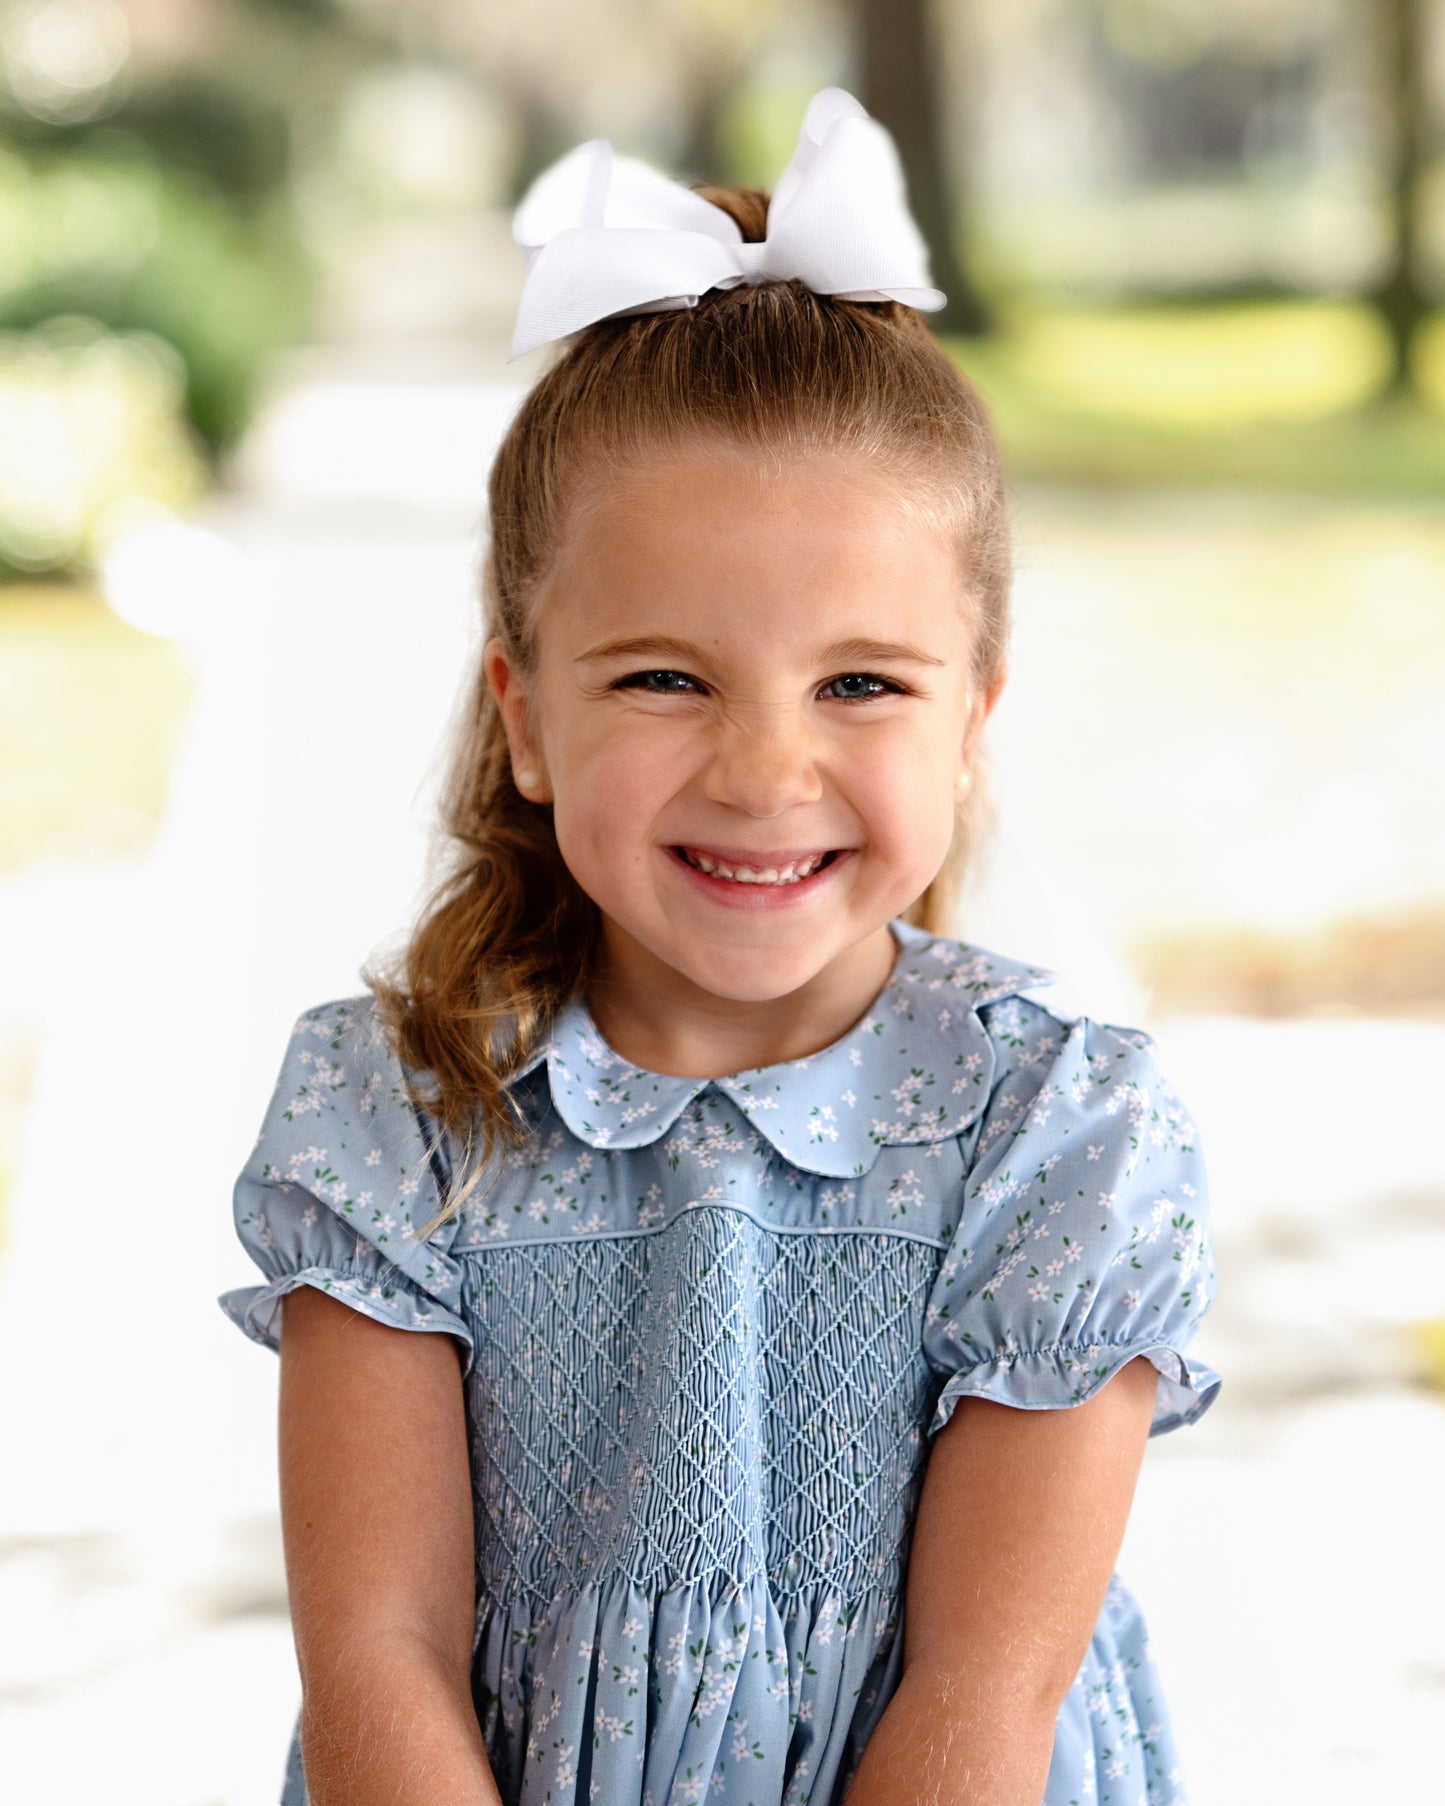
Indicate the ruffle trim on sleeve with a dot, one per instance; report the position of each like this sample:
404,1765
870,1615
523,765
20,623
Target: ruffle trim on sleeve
396,1302
1054,1378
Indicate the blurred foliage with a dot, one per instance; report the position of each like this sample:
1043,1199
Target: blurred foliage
156,162
138,304
146,209
90,713
758,126
94,433
109,231
235,145
1273,394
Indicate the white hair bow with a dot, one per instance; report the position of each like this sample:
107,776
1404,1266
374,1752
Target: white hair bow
605,235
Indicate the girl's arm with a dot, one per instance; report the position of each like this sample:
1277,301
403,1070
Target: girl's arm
376,1514
1019,1525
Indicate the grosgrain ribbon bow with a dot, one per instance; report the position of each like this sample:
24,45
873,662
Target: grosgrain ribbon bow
605,235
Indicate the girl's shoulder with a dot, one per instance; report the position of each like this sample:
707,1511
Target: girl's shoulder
348,1027
1083,1235
1026,1033
1021,1006
344,1118
340,1060
346,1174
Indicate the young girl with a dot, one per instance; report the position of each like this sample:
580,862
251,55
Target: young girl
799,1289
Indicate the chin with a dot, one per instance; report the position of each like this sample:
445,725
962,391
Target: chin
749,975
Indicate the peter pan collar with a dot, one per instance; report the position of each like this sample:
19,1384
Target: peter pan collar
917,1068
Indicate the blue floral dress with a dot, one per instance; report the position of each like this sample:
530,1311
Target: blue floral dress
709,1329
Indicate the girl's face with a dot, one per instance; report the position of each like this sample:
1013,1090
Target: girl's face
751,707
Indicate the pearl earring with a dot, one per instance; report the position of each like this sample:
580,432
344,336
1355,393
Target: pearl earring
963,782
526,778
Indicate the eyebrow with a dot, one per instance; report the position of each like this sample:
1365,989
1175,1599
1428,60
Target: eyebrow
868,651
647,645
842,652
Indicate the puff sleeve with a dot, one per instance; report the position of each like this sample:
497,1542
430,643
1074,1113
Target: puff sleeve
1083,1238
342,1171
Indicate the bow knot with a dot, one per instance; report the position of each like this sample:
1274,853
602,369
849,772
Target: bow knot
753,261
605,236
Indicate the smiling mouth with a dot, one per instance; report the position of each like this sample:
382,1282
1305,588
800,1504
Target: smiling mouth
761,873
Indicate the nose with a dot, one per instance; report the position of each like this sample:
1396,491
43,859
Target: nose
764,765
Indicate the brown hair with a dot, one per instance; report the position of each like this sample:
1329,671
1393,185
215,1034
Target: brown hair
509,936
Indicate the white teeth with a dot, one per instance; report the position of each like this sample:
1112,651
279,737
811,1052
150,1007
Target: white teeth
747,874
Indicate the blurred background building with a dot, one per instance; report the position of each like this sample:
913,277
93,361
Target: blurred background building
256,288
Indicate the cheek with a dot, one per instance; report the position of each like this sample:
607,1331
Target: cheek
905,783
610,779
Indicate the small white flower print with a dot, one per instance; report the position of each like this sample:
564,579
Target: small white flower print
605,1241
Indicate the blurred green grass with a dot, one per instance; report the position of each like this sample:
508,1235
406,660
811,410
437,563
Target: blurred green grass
1280,395
91,710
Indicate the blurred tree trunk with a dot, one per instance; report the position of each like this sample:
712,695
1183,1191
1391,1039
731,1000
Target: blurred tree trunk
702,151
1399,298
901,70
541,136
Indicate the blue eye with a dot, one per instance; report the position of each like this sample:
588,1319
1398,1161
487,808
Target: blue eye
659,683
851,686
859,686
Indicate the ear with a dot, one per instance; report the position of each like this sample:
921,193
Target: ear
529,771
984,703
